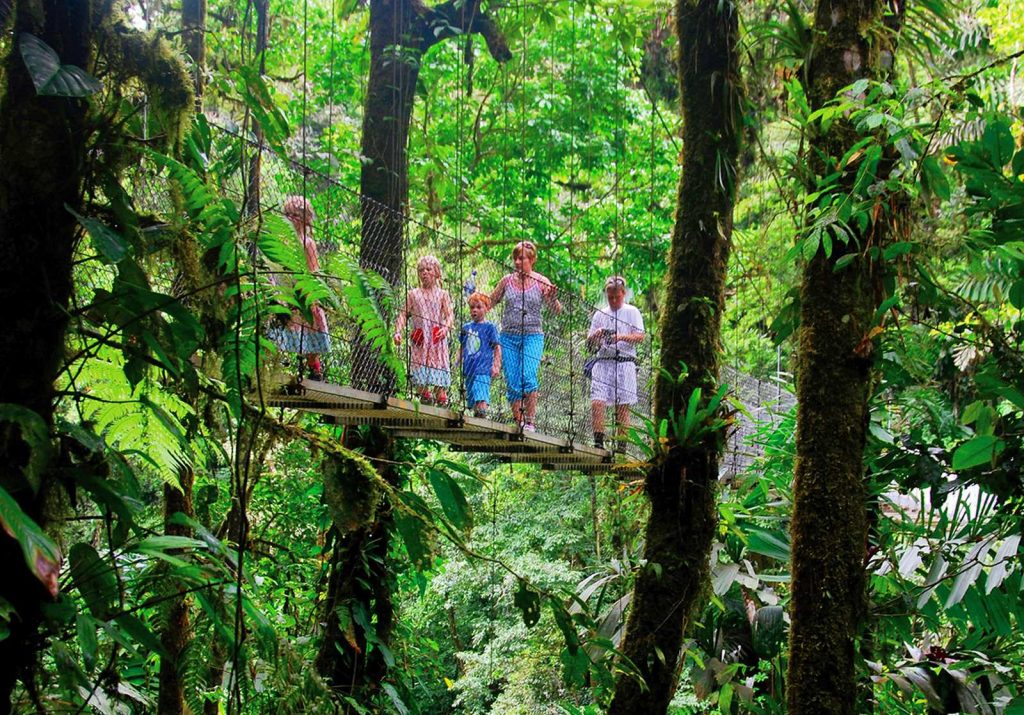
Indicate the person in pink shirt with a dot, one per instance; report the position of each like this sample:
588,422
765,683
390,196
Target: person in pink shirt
428,310
304,334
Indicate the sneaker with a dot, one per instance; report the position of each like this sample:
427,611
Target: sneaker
316,375
528,427
599,440
480,413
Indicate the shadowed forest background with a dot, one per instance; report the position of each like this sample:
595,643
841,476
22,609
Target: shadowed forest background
821,201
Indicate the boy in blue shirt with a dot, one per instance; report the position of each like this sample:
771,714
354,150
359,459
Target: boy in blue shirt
479,353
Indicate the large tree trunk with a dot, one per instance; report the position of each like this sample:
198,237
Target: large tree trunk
42,155
681,485
176,637
177,631
253,193
829,525
193,30
413,29
359,578
401,33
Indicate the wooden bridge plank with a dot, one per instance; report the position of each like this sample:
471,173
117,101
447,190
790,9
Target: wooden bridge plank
408,419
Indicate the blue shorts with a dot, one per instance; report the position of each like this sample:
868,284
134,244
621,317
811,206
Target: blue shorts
478,389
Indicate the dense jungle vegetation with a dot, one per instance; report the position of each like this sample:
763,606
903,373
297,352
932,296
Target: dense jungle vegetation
822,196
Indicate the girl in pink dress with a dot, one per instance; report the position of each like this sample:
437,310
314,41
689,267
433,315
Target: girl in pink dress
429,308
300,335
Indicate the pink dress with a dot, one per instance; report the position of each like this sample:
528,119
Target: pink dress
429,310
313,263
298,336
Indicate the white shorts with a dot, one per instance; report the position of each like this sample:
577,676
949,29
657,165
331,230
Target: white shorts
613,383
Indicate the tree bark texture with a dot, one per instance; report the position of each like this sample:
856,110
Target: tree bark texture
193,30
42,159
359,581
253,193
829,525
401,33
177,631
681,484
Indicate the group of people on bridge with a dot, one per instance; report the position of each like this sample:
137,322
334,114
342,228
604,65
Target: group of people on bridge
426,320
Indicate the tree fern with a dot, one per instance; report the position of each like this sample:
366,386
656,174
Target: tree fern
990,280
144,420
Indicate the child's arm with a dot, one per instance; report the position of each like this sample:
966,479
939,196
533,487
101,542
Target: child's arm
447,313
312,260
403,316
496,363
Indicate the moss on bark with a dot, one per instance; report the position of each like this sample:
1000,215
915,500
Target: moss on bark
829,525
176,634
43,150
682,485
359,579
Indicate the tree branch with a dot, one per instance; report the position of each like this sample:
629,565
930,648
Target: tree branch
453,19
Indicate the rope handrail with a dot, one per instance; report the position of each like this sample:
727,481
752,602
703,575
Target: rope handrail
563,398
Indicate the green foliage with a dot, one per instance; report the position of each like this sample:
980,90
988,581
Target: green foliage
40,551
511,586
50,77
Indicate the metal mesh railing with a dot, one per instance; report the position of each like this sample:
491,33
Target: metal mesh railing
767,402
352,230
360,241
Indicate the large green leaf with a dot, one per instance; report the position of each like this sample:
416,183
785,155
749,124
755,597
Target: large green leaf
417,542
85,627
107,242
453,501
256,93
141,634
769,631
94,579
41,553
50,77
36,434
977,451
774,544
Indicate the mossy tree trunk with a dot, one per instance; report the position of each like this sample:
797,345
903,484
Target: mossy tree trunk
193,31
681,485
401,34
359,583
42,159
829,525
176,634
253,192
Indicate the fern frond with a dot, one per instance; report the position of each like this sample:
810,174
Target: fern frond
145,421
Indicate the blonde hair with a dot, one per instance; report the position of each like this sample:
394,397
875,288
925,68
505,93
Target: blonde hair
431,260
525,248
297,207
480,298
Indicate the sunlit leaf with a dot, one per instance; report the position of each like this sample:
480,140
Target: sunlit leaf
40,552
